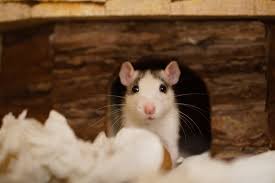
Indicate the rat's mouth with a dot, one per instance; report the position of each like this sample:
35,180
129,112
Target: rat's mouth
150,118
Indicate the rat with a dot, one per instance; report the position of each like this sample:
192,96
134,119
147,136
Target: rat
166,98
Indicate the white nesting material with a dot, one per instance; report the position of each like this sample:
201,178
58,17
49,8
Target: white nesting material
204,169
32,152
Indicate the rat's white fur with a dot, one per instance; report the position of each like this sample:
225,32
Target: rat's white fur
166,122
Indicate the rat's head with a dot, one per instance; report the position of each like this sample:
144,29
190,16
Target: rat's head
149,93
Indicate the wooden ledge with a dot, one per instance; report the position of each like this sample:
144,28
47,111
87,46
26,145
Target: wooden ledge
30,10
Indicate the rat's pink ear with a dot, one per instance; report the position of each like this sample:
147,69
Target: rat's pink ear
127,74
171,73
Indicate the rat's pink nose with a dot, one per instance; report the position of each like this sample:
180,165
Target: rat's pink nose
149,108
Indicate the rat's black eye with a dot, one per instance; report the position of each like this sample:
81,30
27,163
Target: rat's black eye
162,88
135,89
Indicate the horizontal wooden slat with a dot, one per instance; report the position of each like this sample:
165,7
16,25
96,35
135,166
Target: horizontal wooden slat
1,48
214,8
26,10
271,84
53,1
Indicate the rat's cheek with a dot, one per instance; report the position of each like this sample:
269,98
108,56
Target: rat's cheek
139,107
136,105
163,102
166,106
130,104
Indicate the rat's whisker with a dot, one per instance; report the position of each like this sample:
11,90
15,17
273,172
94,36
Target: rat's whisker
186,121
95,122
118,96
111,105
108,95
192,121
187,94
184,104
185,137
195,108
92,124
116,121
116,112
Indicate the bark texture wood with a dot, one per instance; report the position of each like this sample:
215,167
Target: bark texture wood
25,77
1,47
31,10
271,84
229,55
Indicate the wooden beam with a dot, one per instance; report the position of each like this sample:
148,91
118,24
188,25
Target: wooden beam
25,79
271,85
1,52
22,10
54,1
213,8
264,7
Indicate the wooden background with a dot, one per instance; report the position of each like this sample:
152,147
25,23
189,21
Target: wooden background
67,66
16,12
271,83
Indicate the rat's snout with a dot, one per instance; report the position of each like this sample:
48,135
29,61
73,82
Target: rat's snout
149,108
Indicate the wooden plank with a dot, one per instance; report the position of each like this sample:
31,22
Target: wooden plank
137,8
213,8
13,11
271,85
54,1
1,48
10,12
67,10
271,123
26,72
264,7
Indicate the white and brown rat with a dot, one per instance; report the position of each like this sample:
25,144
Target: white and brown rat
166,98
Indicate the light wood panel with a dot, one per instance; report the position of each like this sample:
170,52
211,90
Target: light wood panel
19,10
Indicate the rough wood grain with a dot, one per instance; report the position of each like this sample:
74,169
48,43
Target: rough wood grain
239,129
214,7
66,10
138,8
264,7
53,1
14,12
1,48
25,78
271,86
26,11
